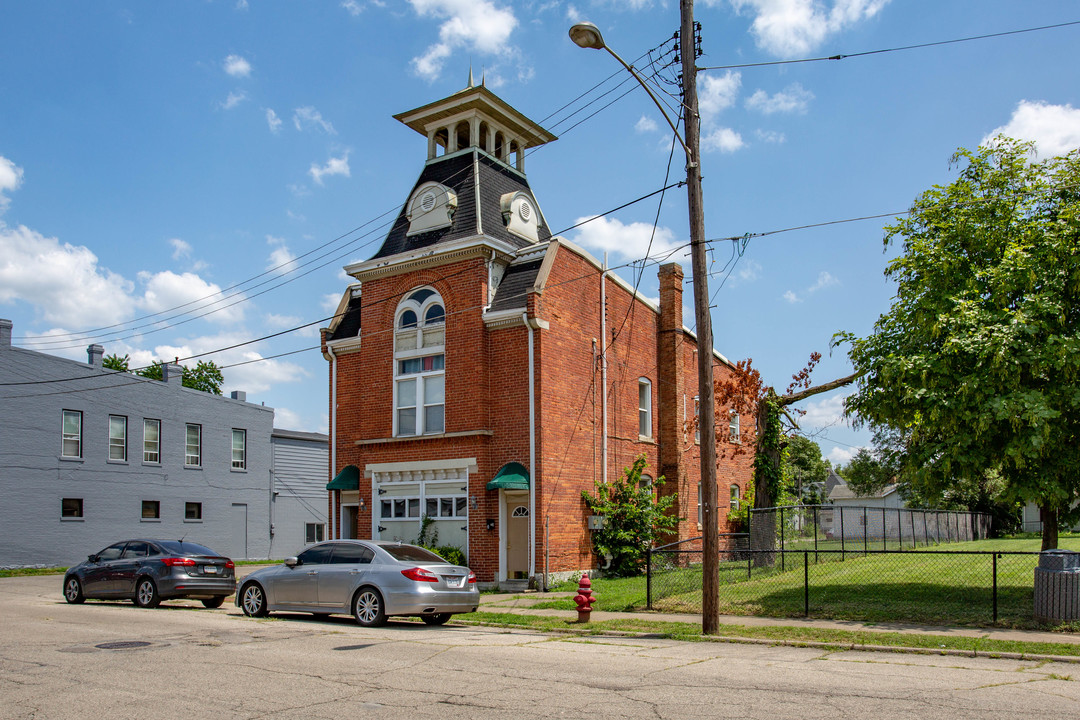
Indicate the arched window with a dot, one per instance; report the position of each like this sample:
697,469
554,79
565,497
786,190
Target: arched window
420,364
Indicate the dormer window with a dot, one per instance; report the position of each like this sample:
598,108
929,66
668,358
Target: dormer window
420,364
520,215
431,207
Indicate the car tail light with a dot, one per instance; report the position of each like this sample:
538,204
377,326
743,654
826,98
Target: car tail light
172,562
229,565
472,577
420,575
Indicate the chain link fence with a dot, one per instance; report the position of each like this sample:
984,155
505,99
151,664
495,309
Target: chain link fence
937,587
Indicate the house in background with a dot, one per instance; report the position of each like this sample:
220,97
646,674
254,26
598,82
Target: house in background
484,373
297,490
89,456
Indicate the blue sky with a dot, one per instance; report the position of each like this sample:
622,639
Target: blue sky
156,154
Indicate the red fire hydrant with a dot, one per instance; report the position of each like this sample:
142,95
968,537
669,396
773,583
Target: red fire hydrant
584,599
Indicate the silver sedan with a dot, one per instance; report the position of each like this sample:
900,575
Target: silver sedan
369,579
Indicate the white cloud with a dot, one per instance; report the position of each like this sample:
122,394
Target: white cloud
716,93
841,456
572,14
285,419
273,121
181,249
791,297
166,290
645,124
354,8
722,139
333,166
286,322
309,117
792,99
825,279
63,282
1054,128
826,412
329,302
749,271
795,27
624,241
11,176
477,26
234,99
770,136
282,261
237,66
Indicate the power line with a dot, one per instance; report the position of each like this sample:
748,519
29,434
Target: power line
889,50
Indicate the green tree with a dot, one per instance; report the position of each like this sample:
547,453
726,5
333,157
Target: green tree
205,376
115,362
635,515
977,362
805,467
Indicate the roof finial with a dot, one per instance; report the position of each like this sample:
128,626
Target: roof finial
483,77
470,76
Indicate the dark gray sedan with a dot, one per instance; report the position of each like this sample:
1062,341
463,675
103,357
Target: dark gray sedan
371,580
149,571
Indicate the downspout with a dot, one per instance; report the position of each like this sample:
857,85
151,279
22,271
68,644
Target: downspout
333,430
532,449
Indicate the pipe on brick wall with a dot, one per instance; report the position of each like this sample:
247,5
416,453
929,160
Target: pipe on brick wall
333,436
603,372
532,449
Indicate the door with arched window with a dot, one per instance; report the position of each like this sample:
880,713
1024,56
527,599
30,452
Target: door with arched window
517,536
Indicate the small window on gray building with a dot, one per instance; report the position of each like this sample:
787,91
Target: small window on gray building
117,437
193,511
152,441
239,449
71,508
151,509
314,532
193,446
72,434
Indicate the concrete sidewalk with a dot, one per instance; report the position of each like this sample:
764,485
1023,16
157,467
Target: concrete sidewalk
523,604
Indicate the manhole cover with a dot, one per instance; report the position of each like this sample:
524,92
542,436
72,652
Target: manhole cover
123,645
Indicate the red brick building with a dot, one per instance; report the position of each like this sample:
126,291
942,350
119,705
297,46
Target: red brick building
483,373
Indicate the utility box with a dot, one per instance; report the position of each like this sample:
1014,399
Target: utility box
596,522
1057,586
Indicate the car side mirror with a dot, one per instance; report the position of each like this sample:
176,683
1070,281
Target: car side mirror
93,558
292,562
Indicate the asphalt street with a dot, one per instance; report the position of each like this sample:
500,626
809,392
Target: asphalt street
111,659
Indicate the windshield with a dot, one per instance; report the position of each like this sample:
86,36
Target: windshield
411,553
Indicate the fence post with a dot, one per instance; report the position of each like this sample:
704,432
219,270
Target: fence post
843,553
900,527
806,584
815,533
648,579
865,547
995,588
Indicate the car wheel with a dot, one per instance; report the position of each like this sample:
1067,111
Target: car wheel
436,619
253,600
146,593
214,602
368,608
73,592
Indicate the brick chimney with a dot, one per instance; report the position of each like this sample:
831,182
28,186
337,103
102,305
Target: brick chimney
5,333
172,373
239,395
676,403
93,355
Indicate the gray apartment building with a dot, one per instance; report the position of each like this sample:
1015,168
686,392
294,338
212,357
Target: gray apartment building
89,456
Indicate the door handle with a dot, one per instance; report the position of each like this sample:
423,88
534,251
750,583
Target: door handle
355,572
313,572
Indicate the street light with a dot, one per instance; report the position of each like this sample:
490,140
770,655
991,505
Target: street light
587,35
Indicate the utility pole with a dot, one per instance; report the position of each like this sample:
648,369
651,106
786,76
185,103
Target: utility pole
710,563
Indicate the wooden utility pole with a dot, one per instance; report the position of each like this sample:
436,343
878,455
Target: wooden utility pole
710,583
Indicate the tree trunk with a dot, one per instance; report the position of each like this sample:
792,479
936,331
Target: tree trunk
1049,519
763,524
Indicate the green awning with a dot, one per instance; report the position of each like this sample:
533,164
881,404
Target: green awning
347,479
512,476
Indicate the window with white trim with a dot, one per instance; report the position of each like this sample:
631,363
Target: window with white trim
239,449
420,364
117,437
399,508
193,446
644,408
446,507
314,532
71,445
734,497
733,425
151,432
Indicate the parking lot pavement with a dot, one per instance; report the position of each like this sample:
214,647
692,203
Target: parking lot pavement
111,659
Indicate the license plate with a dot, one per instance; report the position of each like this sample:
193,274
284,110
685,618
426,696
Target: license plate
210,569
454,581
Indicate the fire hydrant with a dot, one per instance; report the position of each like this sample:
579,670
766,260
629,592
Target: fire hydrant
584,599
